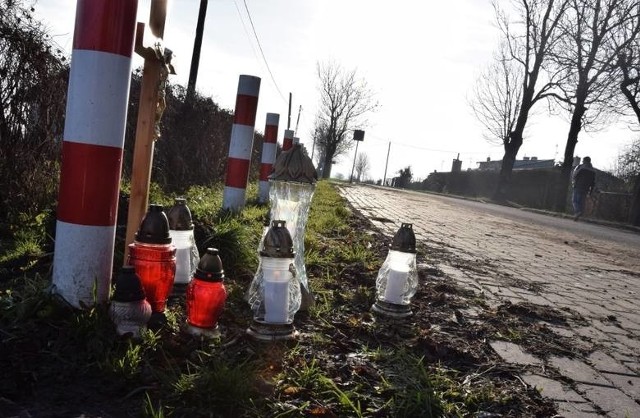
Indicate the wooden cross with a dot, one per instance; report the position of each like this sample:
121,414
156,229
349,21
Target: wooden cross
157,66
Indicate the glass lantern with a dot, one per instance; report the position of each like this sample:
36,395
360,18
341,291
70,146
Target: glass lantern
181,232
129,310
154,257
293,184
206,296
397,279
275,294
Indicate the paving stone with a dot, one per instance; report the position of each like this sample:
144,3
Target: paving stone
592,333
577,370
513,353
605,363
608,328
629,321
629,384
632,364
613,401
593,284
560,330
623,349
576,410
552,389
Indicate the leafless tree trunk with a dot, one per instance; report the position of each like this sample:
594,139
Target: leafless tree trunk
595,33
344,101
629,66
510,88
362,165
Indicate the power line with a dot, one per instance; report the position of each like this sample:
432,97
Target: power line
262,52
246,31
376,138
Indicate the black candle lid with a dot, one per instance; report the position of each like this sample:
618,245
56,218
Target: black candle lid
180,216
154,228
277,241
128,287
404,240
210,267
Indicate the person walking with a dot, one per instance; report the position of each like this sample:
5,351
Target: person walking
584,180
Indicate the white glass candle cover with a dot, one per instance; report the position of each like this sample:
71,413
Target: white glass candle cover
397,279
187,257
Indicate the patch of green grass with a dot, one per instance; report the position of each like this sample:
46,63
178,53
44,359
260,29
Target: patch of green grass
412,384
328,215
511,334
342,365
214,384
29,237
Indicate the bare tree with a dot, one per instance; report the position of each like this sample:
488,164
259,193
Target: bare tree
629,161
508,90
595,33
497,96
345,99
362,165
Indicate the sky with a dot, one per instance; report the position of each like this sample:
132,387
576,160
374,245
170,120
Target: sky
420,58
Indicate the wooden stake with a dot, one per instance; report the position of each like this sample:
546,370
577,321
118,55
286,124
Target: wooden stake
146,125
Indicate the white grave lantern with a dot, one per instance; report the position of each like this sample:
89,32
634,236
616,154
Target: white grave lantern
397,279
275,294
181,232
293,183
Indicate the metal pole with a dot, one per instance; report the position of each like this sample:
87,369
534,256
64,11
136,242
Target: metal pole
384,180
354,162
298,120
289,114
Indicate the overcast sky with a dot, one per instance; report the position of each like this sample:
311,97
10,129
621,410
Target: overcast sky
420,58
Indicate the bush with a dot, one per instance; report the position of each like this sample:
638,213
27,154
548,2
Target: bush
33,79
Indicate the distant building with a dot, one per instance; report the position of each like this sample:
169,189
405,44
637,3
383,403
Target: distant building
527,163
456,166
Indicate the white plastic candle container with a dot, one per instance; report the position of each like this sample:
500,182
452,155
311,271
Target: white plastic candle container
397,280
186,260
276,276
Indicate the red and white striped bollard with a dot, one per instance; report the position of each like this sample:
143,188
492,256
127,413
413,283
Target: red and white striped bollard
287,141
268,155
239,160
96,113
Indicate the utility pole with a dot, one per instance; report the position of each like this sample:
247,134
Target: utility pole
298,120
354,162
384,180
197,46
289,114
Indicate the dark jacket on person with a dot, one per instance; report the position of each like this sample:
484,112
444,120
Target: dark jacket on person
584,178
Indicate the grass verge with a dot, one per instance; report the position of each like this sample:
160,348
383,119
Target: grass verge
62,362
